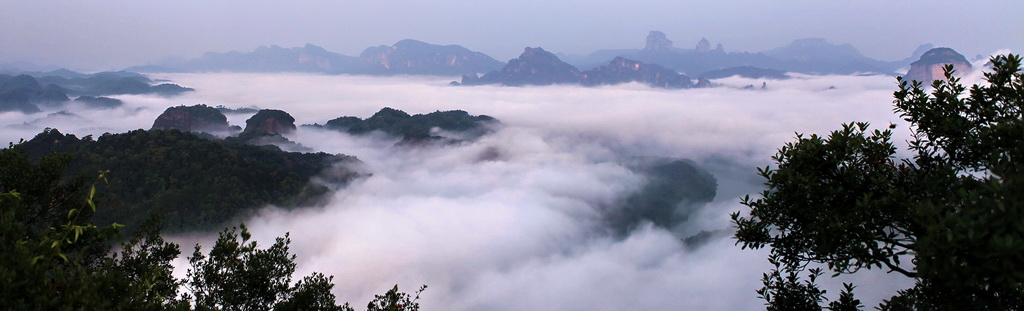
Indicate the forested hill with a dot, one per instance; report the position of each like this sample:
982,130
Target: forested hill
194,182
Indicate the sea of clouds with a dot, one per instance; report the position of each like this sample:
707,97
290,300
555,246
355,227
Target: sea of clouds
513,220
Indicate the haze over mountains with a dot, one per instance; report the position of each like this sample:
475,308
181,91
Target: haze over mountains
404,57
809,56
27,91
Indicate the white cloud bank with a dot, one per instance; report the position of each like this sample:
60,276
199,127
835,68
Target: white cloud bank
522,231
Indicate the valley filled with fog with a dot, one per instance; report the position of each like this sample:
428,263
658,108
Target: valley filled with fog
518,218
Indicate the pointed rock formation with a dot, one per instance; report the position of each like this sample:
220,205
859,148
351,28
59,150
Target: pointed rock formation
656,41
534,67
703,46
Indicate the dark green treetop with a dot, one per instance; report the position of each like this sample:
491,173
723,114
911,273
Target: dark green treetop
53,258
951,217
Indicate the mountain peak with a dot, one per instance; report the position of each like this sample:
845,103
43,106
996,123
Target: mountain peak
942,55
410,43
410,56
656,41
930,66
309,47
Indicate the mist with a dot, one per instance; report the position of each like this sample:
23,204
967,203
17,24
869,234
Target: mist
515,220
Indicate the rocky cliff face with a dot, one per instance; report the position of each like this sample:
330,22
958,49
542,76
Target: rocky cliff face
930,67
416,57
270,121
656,41
197,118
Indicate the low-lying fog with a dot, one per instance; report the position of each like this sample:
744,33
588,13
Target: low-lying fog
512,221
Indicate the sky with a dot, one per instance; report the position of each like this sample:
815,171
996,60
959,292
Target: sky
519,232
115,34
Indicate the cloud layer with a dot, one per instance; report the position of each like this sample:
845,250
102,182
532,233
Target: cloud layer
512,221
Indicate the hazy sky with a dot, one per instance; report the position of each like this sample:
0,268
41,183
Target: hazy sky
112,34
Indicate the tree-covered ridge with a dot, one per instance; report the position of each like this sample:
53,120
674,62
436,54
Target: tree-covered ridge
951,217
195,183
270,121
53,258
24,92
414,127
195,118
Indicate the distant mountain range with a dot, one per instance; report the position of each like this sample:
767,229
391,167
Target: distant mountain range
27,91
404,57
539,67
808,56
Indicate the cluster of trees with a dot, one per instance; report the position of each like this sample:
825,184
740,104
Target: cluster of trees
413,127
195,183
53,258
951,217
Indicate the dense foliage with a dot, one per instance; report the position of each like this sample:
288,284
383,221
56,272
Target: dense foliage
99,102
414,127
226,110
195,118
52,258
951,218
270,121
673,190
195,183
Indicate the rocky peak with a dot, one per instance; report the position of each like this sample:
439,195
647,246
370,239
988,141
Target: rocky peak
703,46
930,67
195,118
537,67
656,41
537,53
270,121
